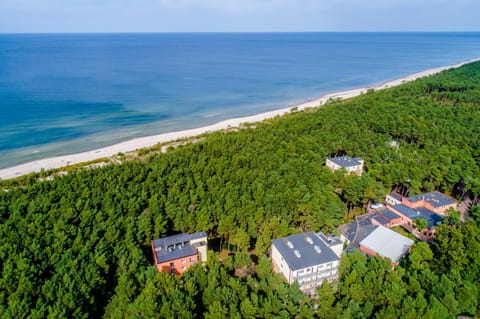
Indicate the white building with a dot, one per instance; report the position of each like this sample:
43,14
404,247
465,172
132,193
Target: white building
351,165
308,259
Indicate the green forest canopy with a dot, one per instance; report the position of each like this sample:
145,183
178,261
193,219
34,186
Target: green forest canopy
79,246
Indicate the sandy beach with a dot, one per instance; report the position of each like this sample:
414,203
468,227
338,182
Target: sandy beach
148,141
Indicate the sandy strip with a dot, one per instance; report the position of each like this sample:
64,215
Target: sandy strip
148,141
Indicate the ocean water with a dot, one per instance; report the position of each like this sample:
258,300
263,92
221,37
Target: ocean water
66,93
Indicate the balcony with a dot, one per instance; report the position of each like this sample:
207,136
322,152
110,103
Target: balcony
319,276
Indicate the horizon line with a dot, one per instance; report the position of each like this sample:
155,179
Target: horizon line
227,32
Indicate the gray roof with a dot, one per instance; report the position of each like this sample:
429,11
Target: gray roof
363,230
432,218
387,243
389,215
308,255
177,239
357,231
179,252
176,246
436,199
348,230
396,196
382,221
329,240
346,161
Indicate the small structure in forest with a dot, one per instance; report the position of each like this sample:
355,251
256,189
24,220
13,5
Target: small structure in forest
175,254
351,165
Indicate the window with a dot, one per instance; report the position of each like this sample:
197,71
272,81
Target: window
172,265
184,260
184,268
192,259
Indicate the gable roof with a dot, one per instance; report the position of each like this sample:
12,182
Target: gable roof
299,251
387,243
346,161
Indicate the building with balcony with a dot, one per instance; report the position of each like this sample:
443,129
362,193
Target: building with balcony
307,258
175,254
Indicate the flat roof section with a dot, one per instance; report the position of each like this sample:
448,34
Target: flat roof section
176,246
382,221
299,251
432,218
436,199
389,215
176,253
387,243
346,161
396,196
329,240
177,239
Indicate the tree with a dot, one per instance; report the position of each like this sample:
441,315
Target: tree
78,245
420,223
452,217
420,256
474,213
326,301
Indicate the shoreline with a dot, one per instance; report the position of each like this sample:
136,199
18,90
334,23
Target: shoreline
152,140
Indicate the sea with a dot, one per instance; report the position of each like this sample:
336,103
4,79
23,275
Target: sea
67,93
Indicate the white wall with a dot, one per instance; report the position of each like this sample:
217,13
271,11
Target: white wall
202,250
391,200
281,265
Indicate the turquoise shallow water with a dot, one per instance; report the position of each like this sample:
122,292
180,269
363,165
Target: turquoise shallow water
64,93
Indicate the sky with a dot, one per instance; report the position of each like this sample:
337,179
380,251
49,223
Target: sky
44,16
